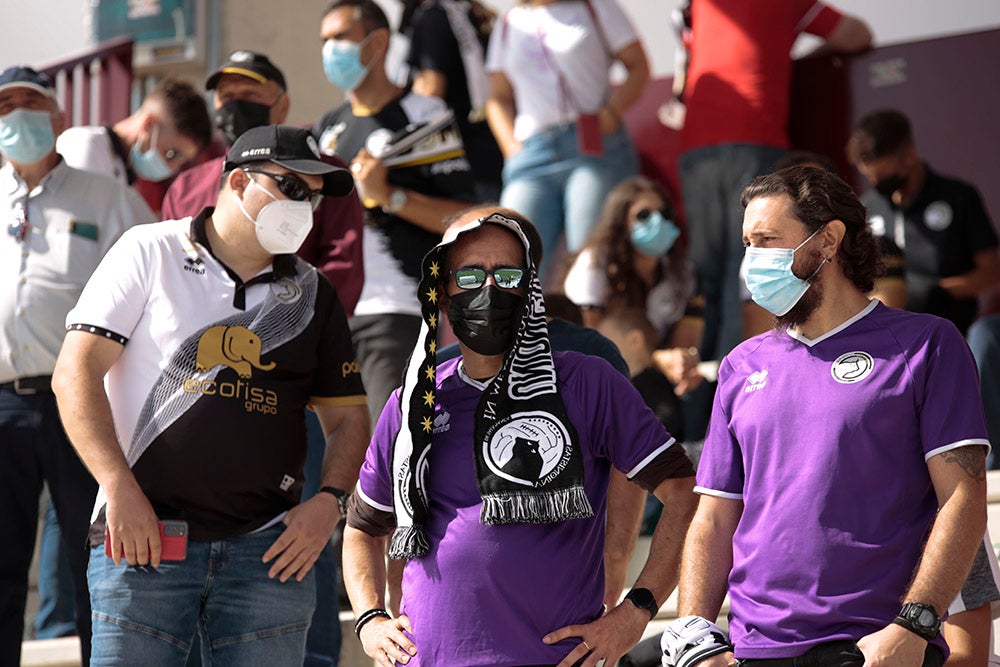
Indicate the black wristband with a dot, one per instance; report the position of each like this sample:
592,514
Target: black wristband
367,616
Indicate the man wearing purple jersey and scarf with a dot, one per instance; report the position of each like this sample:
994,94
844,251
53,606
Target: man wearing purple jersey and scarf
491,473
842,481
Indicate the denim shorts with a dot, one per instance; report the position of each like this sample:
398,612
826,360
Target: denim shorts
146,616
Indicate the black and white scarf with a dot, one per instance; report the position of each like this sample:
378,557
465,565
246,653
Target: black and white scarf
528,461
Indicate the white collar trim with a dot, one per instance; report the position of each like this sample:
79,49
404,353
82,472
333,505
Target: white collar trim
468,379
837,329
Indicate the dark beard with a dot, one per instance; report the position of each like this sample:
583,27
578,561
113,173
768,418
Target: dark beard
810,301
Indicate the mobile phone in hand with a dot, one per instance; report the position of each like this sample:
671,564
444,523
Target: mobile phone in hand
589,139
173,540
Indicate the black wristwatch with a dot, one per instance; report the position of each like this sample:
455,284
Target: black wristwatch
643,599
343,497
920,619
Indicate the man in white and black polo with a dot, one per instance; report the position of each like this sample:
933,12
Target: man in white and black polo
214,338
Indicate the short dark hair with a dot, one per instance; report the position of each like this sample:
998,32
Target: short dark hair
626,320
816,197
879,134
186,109
370,14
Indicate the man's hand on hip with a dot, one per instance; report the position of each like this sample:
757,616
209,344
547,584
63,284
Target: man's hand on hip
309,527
385,641
893,646
131,523
607,638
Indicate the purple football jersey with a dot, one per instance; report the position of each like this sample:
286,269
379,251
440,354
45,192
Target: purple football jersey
826,441
487,594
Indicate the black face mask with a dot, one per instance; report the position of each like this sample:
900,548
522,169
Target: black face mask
890,184
485,318
236,117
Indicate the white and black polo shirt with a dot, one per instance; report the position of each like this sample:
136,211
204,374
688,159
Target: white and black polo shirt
209,392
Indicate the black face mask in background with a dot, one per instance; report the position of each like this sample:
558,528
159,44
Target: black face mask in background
485,319
890,184
236,117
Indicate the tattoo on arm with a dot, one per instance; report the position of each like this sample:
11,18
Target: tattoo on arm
971,459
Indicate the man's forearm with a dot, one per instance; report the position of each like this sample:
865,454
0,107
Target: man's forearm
347,438
429,213
950,547
708,559
625,504
364,570
86,415
660,573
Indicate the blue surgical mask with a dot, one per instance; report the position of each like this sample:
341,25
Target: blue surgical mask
770,280
342,63
149,164
655,235
26,136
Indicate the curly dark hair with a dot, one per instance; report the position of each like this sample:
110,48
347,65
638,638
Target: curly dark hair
611,243
817,197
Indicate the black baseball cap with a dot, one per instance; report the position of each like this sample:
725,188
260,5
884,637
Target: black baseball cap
22,76
292,148
257,66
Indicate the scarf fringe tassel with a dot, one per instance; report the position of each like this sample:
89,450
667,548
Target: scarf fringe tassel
409,542
535,507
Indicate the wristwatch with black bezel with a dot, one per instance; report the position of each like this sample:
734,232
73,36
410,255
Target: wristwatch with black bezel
343,497
920,619
643,599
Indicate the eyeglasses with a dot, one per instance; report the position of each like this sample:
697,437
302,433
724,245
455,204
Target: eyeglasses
643,214
473,277
292,187
19,227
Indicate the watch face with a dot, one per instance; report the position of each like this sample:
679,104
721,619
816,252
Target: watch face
926,618
642,597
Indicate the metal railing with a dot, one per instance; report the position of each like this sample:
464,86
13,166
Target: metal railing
95,86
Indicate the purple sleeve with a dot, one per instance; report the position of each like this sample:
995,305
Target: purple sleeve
951,411
720,468
622,427
375,478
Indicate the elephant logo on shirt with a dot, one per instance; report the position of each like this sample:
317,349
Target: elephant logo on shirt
235,347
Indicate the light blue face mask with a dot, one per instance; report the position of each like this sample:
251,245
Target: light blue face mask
149,164
342,63
655,235
770,280
26,136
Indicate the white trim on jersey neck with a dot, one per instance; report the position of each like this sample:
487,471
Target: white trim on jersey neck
837,329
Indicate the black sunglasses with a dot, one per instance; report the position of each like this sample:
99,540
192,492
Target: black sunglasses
642,215
292,187
473,277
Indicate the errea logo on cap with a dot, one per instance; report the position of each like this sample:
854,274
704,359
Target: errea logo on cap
241,56
252,152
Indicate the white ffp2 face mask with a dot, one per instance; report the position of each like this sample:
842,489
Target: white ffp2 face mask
283,225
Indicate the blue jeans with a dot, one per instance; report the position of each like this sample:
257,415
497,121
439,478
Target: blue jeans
221,591
553,185
56,615
984,340
712,179
34,449
324,639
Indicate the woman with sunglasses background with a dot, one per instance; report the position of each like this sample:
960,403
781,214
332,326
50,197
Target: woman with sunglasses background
632,259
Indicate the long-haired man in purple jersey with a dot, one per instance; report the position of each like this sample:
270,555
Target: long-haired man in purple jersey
842,482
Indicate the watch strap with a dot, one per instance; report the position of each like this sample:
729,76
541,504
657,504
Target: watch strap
342,496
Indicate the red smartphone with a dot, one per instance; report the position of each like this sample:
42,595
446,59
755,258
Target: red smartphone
173,540
589,139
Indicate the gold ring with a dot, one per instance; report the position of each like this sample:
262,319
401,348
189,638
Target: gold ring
586,645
